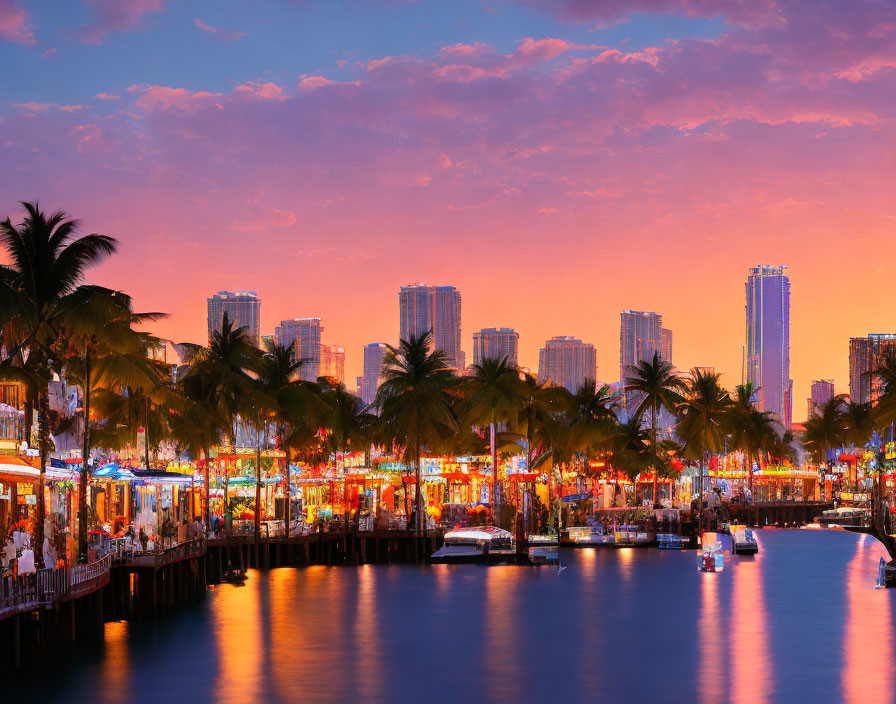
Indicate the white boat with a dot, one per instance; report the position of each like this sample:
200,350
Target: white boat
479,544
744,541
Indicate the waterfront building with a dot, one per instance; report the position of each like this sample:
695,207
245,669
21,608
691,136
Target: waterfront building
496,343
567,361
822,392
640,336
304,335
374,354
438,308
243,309
768,339
332,362
867,354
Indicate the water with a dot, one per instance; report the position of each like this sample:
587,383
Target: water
799,622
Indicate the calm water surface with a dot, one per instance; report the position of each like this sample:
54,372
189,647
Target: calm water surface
799,622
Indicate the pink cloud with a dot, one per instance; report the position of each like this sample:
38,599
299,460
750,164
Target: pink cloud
107,96
115,16
265,220
223,34
15,24
32,106
268,91
152,98
753,13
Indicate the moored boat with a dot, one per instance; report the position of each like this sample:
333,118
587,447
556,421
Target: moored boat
744,541
845,516
479,544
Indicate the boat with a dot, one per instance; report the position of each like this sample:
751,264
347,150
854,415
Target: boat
672,541
234,576
744,541
477,544
598,535
845,516
544,555
711,558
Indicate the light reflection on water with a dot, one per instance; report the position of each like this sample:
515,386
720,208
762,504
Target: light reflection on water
748,652
799,622
868,643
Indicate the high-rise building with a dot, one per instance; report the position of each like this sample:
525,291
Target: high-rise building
304,336
438,308
567,361
822,392
496,343
666,345
332,362
243,309
374,354
768,339
866,355
640,336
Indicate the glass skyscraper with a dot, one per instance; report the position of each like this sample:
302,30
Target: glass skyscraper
496,343
374,354
567,361
768,339
641,334
243,308
438,308
304,335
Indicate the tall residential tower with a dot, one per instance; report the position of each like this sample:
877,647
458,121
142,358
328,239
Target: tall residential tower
374,354
641,334
568,362
243,308
496,343
768,339
866,355
304,335
438,308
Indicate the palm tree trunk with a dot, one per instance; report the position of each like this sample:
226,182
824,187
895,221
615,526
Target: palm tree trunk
494,452
208,488
257,492
84,477
43,433
653,441
288,491
146,434
418,497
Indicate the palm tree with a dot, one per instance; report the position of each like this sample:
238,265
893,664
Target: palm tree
632,452
296,403
414,401
826,430
48,259
593,420
660,386
702,416
219,378
492,393
750,429
103,347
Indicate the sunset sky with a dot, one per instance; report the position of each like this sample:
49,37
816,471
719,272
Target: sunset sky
556,160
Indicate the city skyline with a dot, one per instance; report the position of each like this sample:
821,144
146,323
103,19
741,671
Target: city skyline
332,357
230,163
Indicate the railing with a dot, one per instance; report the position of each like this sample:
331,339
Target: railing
86,578
45,588
157,558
